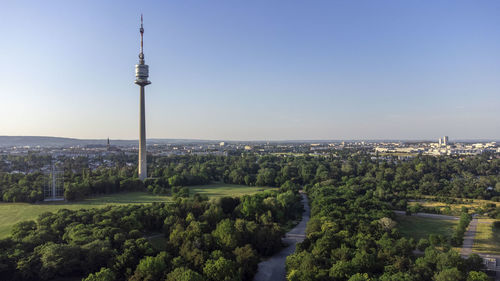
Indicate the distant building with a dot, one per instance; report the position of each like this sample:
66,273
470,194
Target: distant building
443,141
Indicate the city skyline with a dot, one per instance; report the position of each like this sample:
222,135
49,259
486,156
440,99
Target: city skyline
260,71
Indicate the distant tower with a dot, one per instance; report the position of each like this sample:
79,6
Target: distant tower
141,79
445,140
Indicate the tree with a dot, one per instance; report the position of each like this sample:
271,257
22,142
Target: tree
221,270
58,259
387,223
96,253
22,229
423,244
341,270
360,277
400,276
247,259
477,276
474,262
228,204
266,177
225,234
105,274
151,268
449,274
184,274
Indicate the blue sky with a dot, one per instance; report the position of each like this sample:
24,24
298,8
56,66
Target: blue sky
253,70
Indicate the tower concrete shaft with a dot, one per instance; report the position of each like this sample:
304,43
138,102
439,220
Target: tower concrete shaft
143,154
142,74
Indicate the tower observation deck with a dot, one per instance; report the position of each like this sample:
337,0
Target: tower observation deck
141,79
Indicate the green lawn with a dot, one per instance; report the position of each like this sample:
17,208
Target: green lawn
487,239
11,213
221,190
418,227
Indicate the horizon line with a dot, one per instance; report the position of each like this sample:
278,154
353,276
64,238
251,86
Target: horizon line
257,140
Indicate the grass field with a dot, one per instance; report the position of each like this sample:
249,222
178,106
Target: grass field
221,190
473,207
418,227
11,213
487,238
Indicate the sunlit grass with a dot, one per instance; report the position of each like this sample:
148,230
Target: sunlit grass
221,190
419,227
11,213
474,207
487,238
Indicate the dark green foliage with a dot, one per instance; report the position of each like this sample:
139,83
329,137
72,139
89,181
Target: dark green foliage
477,276
424,175
151,268
105,274
184,274
351,237
202,241
458,236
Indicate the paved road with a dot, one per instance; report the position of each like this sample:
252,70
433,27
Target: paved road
273,269
469,238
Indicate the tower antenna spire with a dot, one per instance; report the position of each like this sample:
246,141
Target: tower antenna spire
141,54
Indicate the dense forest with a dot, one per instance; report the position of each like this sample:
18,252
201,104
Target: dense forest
352,236
475,177
206,240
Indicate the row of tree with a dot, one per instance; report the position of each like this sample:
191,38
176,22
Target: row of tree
447,176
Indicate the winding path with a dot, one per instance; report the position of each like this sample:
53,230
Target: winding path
273,269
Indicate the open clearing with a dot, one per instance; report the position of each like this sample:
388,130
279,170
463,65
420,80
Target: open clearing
12,213
420,227
487,238
221,190
474,205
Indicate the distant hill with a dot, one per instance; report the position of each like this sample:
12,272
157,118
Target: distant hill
9,141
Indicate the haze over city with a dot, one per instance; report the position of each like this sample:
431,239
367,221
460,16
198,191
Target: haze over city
253,71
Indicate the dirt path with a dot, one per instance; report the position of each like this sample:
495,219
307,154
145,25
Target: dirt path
273,269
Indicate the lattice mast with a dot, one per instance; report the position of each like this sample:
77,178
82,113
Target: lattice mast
54,190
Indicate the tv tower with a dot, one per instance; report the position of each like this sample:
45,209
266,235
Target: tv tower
141,79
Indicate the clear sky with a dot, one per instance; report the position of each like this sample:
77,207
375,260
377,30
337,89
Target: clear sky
252,70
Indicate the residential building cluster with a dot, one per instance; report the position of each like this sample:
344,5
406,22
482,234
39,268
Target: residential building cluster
106,155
